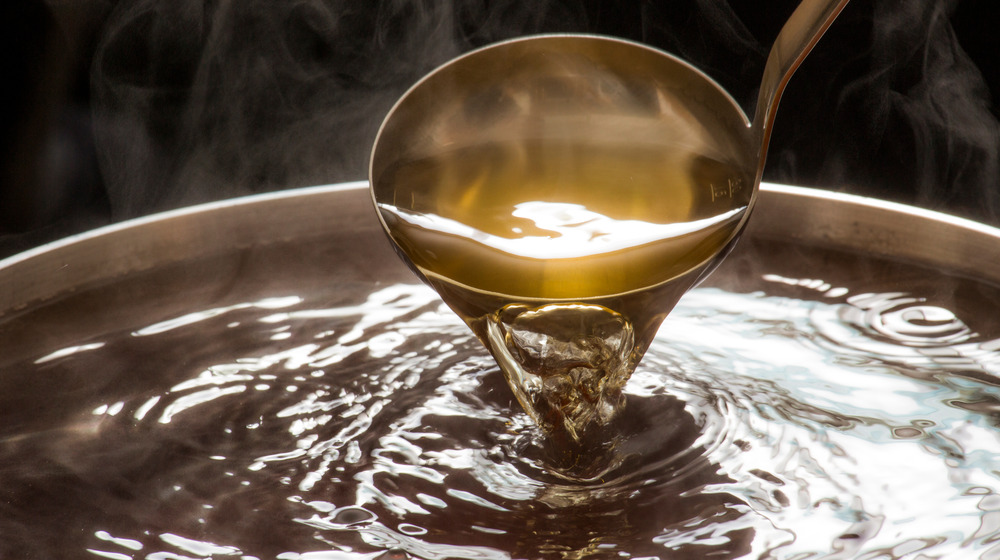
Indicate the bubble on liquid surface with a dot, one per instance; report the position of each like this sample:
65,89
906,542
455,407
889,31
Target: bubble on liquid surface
790,424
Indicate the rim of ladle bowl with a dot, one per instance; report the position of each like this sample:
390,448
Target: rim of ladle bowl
507,42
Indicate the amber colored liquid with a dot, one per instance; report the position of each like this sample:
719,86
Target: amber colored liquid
564,258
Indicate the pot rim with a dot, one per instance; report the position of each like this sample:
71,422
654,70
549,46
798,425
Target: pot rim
802,215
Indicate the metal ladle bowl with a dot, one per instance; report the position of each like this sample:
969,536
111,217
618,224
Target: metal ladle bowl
596,95
562,192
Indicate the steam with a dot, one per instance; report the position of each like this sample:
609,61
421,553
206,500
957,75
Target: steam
197,100
908,113
938,104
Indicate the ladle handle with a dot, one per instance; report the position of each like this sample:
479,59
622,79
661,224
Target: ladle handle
798,36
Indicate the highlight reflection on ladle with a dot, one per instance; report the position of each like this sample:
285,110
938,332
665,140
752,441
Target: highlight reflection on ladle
561,193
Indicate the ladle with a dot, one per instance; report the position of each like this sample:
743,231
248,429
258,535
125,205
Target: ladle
561,192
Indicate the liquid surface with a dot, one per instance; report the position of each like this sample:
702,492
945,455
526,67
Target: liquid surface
563,257
557,220
813,407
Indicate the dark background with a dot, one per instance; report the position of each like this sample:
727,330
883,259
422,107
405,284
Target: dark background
116,109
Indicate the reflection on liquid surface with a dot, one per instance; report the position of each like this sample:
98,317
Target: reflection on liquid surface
777,416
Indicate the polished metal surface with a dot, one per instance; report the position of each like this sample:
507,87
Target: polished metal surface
533,114
538,111
321,214
874,227
588,89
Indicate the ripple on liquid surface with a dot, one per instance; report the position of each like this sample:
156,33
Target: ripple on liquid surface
799,420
